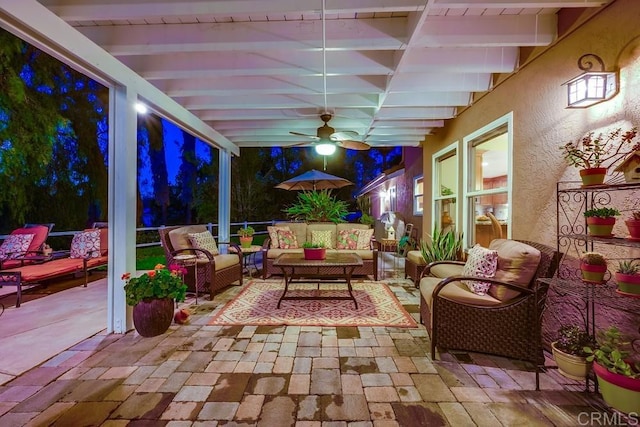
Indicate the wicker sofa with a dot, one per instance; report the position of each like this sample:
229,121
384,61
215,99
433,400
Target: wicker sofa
303,232
508,324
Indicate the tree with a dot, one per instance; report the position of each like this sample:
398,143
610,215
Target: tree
188,173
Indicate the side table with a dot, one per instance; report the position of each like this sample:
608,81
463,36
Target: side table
390,246
189,260
248,257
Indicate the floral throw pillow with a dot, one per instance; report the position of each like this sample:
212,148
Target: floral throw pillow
86,244
347,239
322,237
287,239
273,234
481,262
15,245
204,241
364,238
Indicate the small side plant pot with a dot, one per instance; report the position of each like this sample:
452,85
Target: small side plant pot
573,367
618,391
601,227
592,273
593,176
245,242
315,253
628,284
633,225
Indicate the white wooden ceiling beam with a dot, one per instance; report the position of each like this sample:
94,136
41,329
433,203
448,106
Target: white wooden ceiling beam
416,113
461,60
439,82
515,4
276,101
427,99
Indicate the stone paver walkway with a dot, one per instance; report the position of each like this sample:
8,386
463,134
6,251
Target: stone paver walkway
199,375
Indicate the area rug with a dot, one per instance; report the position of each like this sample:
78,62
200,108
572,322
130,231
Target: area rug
257,304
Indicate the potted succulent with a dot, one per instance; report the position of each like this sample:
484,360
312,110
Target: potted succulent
593,155
628,278
246,236
601,221
633,225
314,251
568,351
593,267
617,371
152,296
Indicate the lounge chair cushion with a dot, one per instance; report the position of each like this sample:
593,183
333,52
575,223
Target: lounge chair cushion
446,270
481,262
179,237
454,291
86,244
517,264
223,261
15,245
204,241
40,233
416,257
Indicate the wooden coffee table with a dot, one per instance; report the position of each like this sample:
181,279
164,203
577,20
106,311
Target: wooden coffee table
336,265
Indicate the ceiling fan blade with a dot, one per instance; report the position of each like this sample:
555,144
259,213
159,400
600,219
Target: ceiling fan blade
304,134
351,144
346,134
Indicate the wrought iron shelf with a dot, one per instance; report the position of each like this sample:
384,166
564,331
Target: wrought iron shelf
616,241
576,187
602,294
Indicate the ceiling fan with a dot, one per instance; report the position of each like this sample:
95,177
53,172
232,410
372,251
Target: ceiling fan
326,135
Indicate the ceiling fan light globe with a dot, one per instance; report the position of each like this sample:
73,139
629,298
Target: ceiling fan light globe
325,149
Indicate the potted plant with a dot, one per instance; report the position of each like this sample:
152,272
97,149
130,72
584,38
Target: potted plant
595,154
601,221
593,267
443,246
314,251
618,373
246,236
152,296
628,278
568,351
318,206
633,225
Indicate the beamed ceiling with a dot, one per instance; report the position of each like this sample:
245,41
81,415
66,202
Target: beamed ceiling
396,70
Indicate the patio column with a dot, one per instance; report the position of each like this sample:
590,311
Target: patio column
224,197
122,203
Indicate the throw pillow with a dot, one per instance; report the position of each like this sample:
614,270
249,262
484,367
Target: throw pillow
347,239
481,262
517,264
204,241
15,245
364,238
273,234
287,239
86,245
322,237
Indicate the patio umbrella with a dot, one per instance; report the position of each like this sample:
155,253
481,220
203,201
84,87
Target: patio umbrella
314,180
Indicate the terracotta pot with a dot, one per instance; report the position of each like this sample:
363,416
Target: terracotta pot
315,253
601,227
620,392
574,367
593,273
592,176
633,225
245,242
153,316
628,283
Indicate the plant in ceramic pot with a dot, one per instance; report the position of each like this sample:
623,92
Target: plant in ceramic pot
319,206
628,278
617,370
152,296
444,246
594,154
601,221
246,236
568,351
314,251
633,225
593,267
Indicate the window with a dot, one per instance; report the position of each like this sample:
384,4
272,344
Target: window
418,194
488,180
445,187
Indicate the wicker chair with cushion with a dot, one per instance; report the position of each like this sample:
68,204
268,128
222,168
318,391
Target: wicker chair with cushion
215,271
506,321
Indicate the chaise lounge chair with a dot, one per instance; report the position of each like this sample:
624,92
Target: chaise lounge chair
23,242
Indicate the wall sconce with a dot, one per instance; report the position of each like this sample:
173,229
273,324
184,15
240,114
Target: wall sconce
591,87
325,149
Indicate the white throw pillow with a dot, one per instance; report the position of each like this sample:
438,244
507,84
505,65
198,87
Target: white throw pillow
204,241
481,262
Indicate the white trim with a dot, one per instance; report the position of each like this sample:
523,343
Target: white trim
451,148
416,212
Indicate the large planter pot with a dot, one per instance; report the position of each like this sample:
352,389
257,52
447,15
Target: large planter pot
601,227
620,392
592,176
245,242
153,316
628,284
592,273
633,225
315,253
574,367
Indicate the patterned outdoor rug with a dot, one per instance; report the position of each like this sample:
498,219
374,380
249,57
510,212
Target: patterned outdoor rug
257,304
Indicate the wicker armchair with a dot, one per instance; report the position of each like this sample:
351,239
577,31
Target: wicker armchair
511,328
218,272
